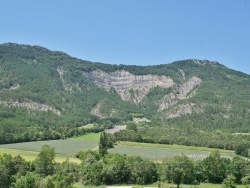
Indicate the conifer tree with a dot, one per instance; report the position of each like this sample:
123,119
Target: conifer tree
103,143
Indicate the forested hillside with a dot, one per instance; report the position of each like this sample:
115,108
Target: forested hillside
48,95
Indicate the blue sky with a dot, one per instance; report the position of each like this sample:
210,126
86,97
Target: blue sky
138,32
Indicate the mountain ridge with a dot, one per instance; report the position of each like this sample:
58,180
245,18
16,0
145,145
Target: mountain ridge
50,88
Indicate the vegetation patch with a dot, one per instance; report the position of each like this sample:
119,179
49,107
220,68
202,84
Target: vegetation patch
90,136
31,155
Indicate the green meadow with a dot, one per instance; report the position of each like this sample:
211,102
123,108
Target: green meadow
174,146
90,136
31,155
63,148
69,147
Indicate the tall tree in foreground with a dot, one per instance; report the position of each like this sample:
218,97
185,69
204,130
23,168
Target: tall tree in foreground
6,170
103,143
179,169
66,174
215,167
30,180
44,162
229,181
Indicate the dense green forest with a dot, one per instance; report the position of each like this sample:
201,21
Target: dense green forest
112,169
44,95
189,136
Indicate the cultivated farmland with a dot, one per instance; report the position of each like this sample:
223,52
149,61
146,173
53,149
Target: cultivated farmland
70,147
67,147
63,148
159,153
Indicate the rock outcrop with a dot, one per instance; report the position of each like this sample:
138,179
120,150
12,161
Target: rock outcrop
183,110
183,91
11,88
30,106
134,88
96,111
129,86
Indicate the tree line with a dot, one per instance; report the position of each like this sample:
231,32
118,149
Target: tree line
102,168
160,133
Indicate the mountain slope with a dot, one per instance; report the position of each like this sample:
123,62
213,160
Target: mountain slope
51,91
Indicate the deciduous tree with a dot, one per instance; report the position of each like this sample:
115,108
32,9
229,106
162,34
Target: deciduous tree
44,163
179,169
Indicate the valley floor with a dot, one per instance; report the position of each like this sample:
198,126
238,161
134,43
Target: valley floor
70,147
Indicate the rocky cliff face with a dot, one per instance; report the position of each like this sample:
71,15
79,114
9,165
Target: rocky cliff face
30,106
130,87
134,88
183,109
183,91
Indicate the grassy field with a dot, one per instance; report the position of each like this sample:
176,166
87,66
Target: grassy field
70,147
63,148
31,155
173,146
90,136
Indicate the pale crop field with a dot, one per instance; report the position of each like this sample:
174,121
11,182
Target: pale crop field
127,143
70,147
63,148
160,151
